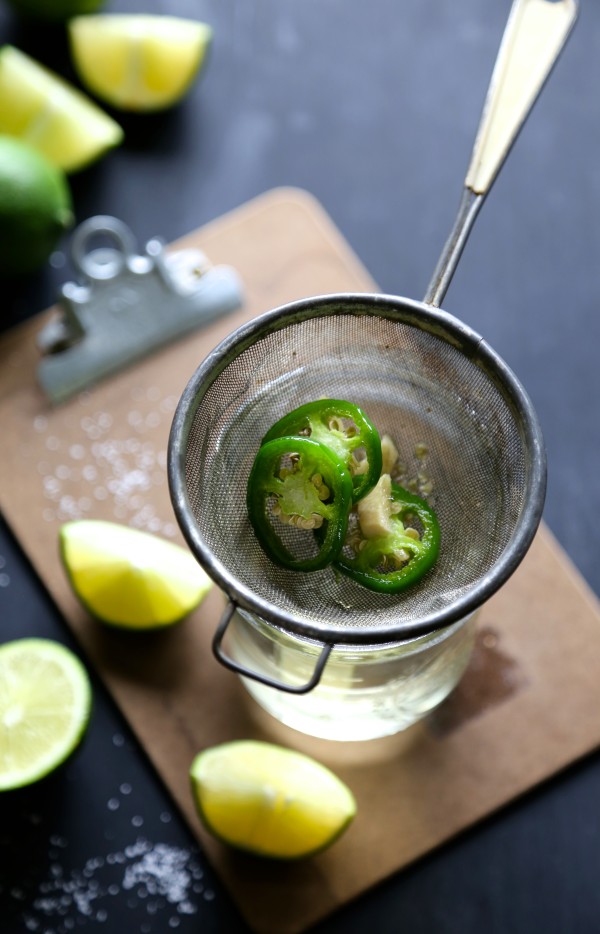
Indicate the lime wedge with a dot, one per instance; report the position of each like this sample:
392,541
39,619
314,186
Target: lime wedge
45,704
138,61
129,578
269,800
45,111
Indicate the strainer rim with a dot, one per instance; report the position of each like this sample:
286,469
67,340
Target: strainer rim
427,318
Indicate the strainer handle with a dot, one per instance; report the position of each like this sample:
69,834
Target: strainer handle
257,676
533,39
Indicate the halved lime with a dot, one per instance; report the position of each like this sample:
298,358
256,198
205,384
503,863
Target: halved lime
138,61
129,578
47,112
45,705
269,800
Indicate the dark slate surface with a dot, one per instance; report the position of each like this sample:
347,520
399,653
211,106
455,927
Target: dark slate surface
373,108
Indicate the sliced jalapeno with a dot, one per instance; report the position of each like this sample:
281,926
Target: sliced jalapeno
397,555
345,430
299,482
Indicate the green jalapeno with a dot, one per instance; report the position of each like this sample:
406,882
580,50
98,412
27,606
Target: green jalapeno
298,482
344,429
401,555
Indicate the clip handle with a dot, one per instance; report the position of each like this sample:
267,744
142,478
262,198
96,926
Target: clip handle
258,676
107,263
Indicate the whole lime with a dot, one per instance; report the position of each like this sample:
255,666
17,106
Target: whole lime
35,207
57,10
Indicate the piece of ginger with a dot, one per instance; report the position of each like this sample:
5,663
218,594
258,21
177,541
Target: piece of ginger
375,509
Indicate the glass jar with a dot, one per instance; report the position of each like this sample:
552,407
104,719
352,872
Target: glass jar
365,692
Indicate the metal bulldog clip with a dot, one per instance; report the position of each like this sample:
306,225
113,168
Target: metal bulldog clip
126,305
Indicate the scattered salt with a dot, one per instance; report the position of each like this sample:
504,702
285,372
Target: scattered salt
162,870
158,875
98,467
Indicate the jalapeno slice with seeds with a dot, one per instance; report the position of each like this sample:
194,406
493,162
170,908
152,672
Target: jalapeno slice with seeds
391,562
345,429
301,483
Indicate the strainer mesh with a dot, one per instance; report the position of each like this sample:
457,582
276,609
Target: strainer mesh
414,385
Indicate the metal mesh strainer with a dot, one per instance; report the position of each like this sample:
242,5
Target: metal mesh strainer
423,378
420,374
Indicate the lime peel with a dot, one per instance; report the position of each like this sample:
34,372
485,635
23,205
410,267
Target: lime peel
137,61
269,800
45,706
129,578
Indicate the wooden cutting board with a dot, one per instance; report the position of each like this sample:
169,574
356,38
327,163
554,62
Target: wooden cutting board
526,708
